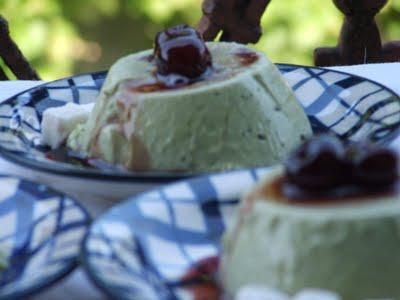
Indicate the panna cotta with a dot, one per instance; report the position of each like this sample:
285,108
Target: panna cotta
329,219
188,105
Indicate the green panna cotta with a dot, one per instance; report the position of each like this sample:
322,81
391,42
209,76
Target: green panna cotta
238,113
346,240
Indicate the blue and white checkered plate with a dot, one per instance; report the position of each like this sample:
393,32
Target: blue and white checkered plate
40,236
143,247
350,106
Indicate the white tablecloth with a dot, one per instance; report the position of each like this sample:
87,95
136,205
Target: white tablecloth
76,286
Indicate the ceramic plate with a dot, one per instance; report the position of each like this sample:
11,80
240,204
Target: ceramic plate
350,106
142,248
40,236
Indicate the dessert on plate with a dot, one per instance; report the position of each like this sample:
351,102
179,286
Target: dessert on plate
188,105
330,219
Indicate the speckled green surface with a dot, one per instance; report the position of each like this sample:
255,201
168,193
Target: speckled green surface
246,116
351,248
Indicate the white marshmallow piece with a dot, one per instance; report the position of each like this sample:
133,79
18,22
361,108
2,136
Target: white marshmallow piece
316,294
259,292
59,122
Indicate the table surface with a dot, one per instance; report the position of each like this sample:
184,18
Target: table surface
77,285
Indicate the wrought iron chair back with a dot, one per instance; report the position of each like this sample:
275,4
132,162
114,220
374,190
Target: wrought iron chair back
359,42
13,57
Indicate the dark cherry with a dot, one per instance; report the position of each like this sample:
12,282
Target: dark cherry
181,50
318,164
324,165
376,167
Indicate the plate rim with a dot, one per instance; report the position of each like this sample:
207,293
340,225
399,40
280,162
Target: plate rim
89,271
85,253
130,177
71,266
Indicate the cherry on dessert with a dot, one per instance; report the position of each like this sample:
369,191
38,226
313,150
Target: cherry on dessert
324,166
181,50
376,167
319,163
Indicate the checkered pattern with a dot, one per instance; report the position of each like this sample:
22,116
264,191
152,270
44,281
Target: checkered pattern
144,246
347,105
40,236
20,116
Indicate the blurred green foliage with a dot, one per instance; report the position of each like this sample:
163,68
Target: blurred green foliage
63,37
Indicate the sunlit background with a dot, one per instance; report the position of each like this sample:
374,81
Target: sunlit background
64,37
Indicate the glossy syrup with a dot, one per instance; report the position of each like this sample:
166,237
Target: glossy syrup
65,155
283,191
246,57
200,280
181,50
